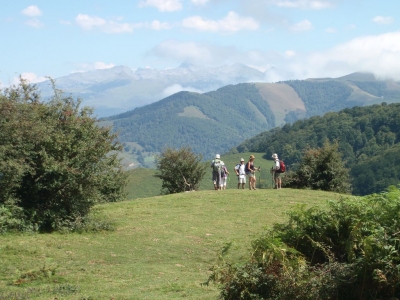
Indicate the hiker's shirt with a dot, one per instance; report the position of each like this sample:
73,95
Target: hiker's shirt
277,165
241,169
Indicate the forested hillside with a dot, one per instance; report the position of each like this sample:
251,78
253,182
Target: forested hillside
216,121
369,140
208,123
320,97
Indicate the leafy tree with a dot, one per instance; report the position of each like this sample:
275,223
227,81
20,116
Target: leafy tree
55,161
180,170
321,169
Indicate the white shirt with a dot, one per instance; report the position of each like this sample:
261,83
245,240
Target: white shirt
277,164
241,170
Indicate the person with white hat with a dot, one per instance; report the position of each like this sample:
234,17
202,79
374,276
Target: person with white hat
276,173
241,173
216,166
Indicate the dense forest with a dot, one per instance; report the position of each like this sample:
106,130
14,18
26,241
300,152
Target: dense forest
320,97
369,141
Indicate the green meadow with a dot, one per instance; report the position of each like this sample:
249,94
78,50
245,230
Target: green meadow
162,247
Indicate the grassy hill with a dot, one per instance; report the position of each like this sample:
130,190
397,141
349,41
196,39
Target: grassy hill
142,183
216,121
161,248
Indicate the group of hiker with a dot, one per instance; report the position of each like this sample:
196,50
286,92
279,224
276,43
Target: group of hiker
243,170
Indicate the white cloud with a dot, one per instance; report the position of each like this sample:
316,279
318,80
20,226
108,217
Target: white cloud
30,77
199,2
173,52
85,67
87,22
157,25
231,23
101,65
290,53
175,88
301,26
303,4
163,5
377,54
383,20
34,23
32,11
330,30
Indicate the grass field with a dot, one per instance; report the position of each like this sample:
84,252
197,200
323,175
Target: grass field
162,247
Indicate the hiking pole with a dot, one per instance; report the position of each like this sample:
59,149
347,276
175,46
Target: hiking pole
272,178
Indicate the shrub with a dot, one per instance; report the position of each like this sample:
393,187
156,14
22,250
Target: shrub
180,170
350,251
320,169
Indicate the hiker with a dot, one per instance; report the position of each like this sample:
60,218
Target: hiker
216,166
224,176
241,173
276,170
250,171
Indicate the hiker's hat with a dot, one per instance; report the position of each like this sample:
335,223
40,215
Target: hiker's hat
217,156
252,157
274,155
242,159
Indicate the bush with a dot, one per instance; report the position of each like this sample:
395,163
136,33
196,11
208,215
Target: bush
320,169
180,170
55,161
350,251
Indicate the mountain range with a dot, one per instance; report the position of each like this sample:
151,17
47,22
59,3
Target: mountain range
119,89
217,121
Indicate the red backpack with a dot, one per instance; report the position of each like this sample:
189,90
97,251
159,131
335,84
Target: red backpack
282,167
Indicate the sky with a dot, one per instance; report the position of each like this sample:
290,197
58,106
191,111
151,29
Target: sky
298,38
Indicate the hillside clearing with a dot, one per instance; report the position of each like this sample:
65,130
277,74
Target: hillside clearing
162,246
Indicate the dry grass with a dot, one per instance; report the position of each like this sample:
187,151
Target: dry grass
282,98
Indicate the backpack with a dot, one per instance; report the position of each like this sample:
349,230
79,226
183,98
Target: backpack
223,171
282,167
217,165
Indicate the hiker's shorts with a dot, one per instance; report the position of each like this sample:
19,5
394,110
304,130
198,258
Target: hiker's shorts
250,174
223,181
277,175
242,179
